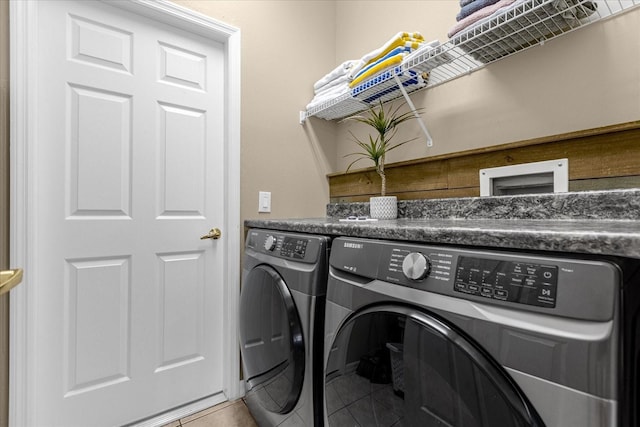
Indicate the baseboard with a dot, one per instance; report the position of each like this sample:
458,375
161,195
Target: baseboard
181,412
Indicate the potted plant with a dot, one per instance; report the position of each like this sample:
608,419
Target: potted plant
375,149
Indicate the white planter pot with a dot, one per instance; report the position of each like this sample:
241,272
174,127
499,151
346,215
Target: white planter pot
383,207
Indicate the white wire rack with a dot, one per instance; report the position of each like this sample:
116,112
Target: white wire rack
342,106
524,25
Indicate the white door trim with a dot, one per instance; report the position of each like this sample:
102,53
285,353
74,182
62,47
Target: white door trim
24,205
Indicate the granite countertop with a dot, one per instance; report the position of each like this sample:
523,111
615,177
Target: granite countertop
602,223
604,237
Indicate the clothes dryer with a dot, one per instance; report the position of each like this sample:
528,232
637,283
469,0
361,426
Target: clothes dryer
420,335
281,326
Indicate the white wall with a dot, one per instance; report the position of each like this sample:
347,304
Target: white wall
585,79
286,46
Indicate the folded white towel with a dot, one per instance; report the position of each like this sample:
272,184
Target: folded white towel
328,95
333,90
332,84
339,71
424,47
357,67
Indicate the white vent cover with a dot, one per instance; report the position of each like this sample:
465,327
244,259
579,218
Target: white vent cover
551,176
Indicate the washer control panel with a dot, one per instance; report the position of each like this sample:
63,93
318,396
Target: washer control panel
512,281
568,286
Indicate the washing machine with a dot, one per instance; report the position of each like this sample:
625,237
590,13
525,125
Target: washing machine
281,324
421,335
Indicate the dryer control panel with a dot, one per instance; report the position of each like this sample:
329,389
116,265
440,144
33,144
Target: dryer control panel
294,247
521,282
290,246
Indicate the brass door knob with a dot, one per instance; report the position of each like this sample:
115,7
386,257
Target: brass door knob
214,234
9,279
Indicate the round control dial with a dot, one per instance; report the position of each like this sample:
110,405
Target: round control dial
270,243
416,266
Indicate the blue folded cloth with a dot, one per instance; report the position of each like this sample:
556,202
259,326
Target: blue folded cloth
415,79
463,3
473,7
389,90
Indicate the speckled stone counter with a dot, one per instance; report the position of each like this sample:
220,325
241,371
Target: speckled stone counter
602,223
616,204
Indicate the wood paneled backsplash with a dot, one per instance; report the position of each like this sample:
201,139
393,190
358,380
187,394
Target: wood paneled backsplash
599,159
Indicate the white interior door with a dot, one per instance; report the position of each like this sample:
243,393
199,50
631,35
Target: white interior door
127,301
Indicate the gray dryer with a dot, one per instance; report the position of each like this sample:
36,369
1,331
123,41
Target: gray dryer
281,326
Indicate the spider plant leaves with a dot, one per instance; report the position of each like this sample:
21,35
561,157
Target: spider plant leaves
383,121
386,125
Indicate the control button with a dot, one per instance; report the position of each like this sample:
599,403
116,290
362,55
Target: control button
416,266
509,281
501,294
301,247
547,293
547,273
270,243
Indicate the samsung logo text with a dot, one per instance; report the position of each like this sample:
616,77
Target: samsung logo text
352,245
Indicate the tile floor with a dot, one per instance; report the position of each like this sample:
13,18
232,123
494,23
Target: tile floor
226,414
354,400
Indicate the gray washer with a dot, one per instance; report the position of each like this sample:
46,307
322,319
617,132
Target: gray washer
281,326
429,335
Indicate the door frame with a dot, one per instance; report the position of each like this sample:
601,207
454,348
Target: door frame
24,204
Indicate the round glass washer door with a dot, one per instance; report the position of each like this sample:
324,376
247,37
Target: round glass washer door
394,365
271,340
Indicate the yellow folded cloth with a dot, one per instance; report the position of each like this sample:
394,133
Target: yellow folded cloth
411,40
415,35
402,40
382,65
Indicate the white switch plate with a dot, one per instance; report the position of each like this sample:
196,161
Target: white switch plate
264,201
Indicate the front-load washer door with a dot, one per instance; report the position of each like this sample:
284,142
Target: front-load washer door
393,365
271,340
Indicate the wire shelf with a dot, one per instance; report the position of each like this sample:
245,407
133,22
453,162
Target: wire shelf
524,25
342,106
383,87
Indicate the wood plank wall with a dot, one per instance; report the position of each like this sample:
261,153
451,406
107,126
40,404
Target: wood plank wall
600,158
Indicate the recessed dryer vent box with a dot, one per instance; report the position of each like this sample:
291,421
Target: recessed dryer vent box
551,176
